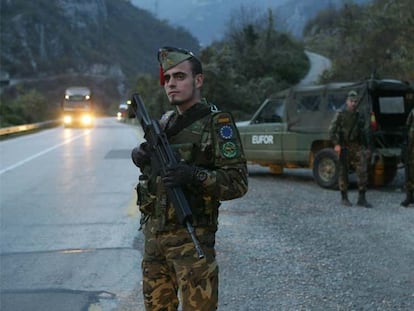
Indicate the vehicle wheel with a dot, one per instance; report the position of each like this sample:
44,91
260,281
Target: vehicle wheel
326,168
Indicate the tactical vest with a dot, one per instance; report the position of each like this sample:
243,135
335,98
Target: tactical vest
351,124
196,145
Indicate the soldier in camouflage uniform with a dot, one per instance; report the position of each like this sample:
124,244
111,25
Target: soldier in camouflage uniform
349,131
212,168
409,178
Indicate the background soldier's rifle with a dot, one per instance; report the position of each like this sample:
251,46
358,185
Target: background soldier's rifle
343,154
164,157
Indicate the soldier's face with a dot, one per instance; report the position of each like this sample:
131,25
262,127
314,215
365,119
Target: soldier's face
351,104
180,85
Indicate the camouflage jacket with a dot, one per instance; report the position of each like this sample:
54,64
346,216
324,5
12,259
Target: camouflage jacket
211,142
351,127
410,125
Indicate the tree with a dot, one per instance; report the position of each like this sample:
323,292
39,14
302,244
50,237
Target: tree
366,40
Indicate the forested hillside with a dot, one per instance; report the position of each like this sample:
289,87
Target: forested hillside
108,37
375,39
111,47
49,45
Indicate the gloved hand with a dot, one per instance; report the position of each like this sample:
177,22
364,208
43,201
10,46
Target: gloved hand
141,155
180,174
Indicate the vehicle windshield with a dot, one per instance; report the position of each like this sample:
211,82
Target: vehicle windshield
272,112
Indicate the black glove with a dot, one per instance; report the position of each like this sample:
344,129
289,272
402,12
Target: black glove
180,174
141,155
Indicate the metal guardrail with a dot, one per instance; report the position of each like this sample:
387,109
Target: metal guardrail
27,127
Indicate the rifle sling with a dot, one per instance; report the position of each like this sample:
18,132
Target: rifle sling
350,130
353,127
186,120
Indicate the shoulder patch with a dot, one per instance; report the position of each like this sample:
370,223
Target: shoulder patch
222,117
227,137
224,125
226,131
229,150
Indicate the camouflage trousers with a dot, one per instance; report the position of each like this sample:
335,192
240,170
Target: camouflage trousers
173,273
409,178
357,157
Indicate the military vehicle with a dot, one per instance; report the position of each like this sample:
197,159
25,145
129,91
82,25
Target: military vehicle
291,128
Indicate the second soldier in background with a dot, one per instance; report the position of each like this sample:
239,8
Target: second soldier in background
409,161
351,138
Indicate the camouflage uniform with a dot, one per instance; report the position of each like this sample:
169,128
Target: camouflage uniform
409,178
349,129
170,261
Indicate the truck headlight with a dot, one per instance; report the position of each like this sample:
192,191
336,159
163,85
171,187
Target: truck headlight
86,119
67,119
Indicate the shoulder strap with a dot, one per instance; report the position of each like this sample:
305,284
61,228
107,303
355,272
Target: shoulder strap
166,118
185,121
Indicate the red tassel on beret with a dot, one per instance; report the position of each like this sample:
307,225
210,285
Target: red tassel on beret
162,80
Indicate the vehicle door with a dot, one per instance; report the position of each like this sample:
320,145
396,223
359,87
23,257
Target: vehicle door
263,136
308,123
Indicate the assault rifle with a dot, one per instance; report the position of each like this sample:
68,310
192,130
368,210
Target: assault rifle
164,158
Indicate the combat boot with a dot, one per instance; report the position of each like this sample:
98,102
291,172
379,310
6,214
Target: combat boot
345,201
362,201
408,199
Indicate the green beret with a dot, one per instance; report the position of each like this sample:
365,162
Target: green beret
168,57
352,95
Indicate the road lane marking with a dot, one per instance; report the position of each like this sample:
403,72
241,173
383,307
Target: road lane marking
20,163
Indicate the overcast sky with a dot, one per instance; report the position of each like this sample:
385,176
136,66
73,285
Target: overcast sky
205,19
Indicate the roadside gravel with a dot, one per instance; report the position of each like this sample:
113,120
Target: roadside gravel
290,245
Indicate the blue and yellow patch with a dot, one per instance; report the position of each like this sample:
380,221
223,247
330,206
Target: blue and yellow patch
226,132
228,145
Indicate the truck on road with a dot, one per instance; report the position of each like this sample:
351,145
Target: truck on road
78,107
291,128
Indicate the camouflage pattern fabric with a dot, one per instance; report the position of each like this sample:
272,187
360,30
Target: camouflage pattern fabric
352,126
357,158
410,177
170,263
170,57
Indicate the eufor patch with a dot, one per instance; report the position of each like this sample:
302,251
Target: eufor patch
229,149
226,132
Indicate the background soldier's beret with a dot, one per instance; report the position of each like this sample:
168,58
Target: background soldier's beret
352,95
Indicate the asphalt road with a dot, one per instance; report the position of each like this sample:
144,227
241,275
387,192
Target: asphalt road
318,64
68,219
